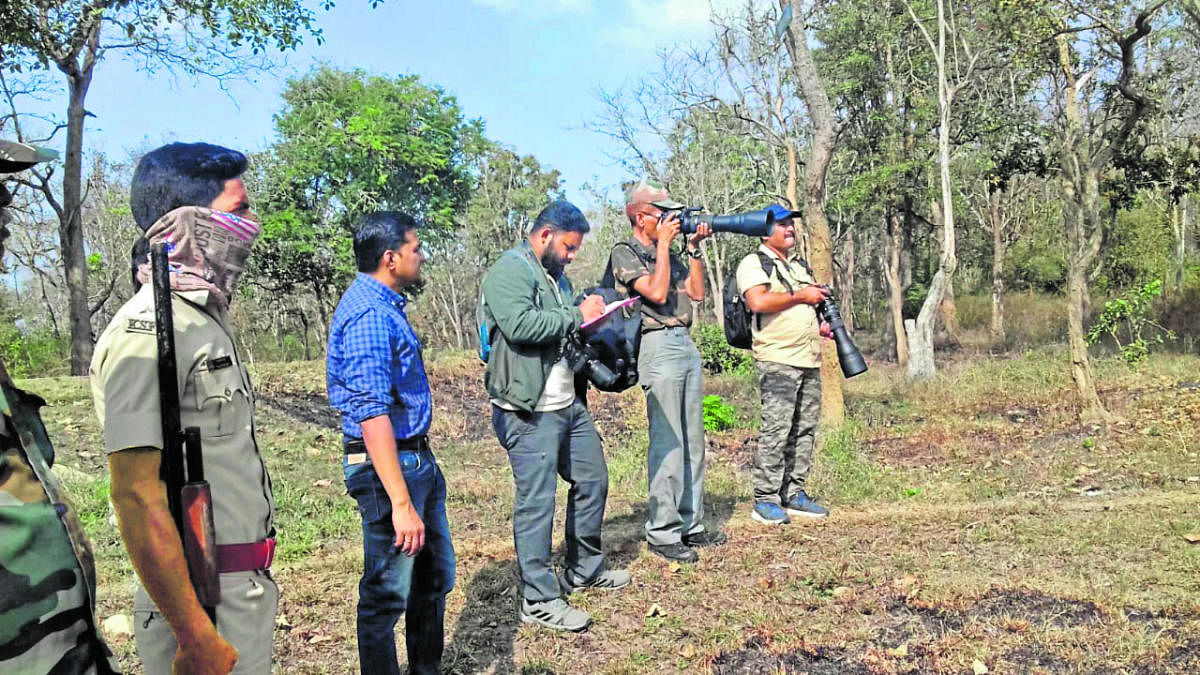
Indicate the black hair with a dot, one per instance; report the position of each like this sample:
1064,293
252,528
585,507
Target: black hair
561,216
180,174
137,257
378,232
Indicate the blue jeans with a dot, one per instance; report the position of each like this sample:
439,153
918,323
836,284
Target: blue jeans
393,583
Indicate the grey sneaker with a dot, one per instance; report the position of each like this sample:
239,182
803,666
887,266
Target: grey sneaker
555,614
607,580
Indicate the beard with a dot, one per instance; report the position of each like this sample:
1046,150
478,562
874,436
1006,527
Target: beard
553,265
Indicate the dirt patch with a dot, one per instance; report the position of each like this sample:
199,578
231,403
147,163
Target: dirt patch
738,446
911,450
814,660
311,409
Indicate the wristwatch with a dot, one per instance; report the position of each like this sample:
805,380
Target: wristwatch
694,253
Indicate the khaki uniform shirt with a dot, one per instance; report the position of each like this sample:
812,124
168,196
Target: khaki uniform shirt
627,267
215,395
791,337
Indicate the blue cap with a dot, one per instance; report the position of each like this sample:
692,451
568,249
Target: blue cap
781,212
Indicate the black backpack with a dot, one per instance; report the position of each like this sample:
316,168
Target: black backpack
737,313
617,343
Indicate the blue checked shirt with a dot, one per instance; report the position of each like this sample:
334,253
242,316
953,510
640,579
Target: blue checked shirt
374,364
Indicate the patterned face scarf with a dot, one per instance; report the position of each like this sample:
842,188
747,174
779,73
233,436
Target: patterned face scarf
206,250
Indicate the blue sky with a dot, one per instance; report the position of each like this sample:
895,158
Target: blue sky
531,69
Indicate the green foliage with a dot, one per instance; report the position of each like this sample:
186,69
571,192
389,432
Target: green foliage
718,415
716,356
1138,248
352,143
33,353
1126,318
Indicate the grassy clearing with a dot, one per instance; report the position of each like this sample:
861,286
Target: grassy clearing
973,520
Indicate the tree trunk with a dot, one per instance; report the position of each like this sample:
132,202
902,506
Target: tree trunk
891,275
1177,224
920,338
1080,183
824,138
949,315
845,289
70,231
996,328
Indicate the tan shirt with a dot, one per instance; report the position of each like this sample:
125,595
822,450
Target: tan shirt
791,337
214,394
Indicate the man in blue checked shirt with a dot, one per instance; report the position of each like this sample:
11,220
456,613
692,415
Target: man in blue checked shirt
376,378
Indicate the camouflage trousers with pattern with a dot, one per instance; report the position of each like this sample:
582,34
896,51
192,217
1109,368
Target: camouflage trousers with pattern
791,408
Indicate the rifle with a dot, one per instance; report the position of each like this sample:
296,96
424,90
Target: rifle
188,495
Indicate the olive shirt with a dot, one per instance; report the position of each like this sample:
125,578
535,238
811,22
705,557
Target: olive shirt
631,260
47,575
215,395
791,337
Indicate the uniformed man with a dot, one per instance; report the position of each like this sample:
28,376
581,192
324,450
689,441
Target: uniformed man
192,196
668,367
47,576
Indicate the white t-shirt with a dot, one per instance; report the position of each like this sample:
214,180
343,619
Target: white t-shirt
558,394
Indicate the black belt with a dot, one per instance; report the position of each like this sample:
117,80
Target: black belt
414,444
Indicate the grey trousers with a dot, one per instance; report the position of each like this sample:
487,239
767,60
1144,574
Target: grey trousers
669,372
791,409
541,445
245,617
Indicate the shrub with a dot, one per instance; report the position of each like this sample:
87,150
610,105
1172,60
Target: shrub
718,415
716,356
1126,318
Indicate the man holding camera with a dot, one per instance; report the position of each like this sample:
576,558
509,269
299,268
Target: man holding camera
782,294
668,367
526,316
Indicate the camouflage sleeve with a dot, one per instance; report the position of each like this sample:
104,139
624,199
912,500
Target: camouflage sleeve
627,267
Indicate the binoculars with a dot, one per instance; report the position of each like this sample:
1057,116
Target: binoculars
751,223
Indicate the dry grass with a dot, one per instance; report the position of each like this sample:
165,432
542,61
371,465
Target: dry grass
973,520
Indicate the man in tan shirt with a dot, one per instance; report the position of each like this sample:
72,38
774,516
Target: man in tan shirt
192,196
781,292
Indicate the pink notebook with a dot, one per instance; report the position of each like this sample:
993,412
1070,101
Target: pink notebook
609,309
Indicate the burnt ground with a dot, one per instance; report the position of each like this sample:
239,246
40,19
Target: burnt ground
974,522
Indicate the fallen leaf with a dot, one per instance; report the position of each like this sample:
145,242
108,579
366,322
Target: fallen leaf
323,483
688,651
325,638
674,568
655,610
978,667
281,621
1192,537
899,652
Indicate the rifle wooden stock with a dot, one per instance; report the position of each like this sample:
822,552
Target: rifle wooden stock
188,494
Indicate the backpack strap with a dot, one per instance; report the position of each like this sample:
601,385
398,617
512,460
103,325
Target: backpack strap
610,281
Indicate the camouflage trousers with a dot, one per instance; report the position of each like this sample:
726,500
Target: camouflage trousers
791,407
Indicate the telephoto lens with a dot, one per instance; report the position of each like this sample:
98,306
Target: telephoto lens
849,357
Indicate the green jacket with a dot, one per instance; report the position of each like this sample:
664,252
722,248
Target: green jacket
527,318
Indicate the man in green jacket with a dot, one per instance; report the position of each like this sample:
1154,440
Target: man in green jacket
527,314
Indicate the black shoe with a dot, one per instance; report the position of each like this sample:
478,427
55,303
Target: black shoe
679,553
705,538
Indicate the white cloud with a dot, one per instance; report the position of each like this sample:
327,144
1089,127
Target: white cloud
536,7
651,24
